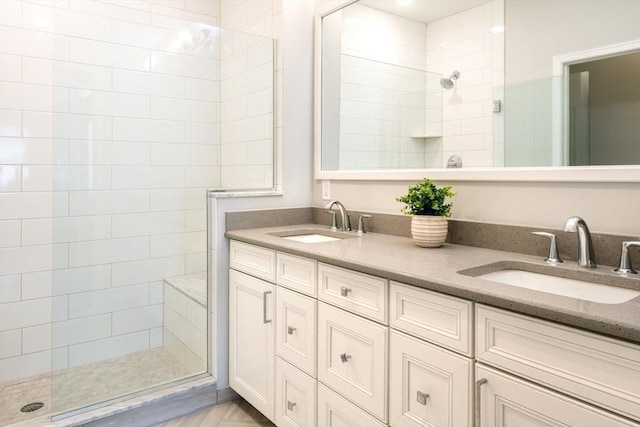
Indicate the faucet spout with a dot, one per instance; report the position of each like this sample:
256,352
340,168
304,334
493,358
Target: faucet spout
585,246
346,222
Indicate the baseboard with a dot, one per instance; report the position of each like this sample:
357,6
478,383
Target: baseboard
226,395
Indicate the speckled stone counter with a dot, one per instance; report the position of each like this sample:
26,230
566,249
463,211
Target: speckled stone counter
397,258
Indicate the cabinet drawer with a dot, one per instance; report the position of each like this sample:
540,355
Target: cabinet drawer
507,401
297,273
253,260
296,329
334,410
351,358
295,397
444,320
598,369
360,293
429,386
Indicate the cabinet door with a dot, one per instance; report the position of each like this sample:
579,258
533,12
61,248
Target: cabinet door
352,358
507,401
251,340
296,329
295,397
428,386
335,411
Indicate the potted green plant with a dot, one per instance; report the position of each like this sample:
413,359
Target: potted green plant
428,205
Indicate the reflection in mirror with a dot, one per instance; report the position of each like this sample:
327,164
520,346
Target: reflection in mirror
604,110
386,105
408,88
543,125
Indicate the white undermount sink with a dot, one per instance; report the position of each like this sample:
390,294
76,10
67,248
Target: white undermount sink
313,235
573,288
311,238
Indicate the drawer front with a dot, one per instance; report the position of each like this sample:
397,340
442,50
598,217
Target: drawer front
295,397
506,401
253,260
296,329
594,368
352,358
297,273
438,318
429,386
359,293
335,411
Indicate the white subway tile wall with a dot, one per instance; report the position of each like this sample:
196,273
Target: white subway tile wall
471,42
390,92
111,116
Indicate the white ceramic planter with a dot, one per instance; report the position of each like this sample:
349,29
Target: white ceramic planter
429,231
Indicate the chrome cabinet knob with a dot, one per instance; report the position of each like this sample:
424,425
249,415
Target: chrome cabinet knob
344,291
422,397
344,357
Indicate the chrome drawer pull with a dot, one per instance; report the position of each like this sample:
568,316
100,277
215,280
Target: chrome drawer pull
477,408
344,357
344,291
264,307
291,405
291,330
422,398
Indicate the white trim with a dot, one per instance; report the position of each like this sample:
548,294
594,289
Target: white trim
529,174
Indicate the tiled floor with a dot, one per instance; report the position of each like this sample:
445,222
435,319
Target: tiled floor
237,413
88,384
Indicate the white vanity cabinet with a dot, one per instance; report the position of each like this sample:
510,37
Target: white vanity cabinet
312,344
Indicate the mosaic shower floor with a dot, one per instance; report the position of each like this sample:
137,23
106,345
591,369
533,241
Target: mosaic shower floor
75,388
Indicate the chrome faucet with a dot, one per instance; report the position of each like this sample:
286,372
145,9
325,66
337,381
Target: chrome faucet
625,259
346,223
585,246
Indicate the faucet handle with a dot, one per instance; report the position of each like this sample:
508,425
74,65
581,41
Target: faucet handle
553,257
334,224
625,260
361,229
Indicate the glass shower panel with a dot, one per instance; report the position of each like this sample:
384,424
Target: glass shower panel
146,119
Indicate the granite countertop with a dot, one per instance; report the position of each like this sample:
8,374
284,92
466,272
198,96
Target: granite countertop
397,258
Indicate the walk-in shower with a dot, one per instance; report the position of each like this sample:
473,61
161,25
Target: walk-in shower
115,120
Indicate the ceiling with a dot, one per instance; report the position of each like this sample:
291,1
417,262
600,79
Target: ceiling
423,10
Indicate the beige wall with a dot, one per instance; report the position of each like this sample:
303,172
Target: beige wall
607,208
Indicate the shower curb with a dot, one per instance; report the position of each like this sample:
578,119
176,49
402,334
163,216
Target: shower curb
153,408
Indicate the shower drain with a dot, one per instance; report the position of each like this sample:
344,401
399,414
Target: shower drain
32,407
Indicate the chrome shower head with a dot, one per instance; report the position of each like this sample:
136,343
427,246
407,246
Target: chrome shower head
449,83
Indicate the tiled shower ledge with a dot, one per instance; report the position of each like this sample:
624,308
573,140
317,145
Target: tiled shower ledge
193,286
